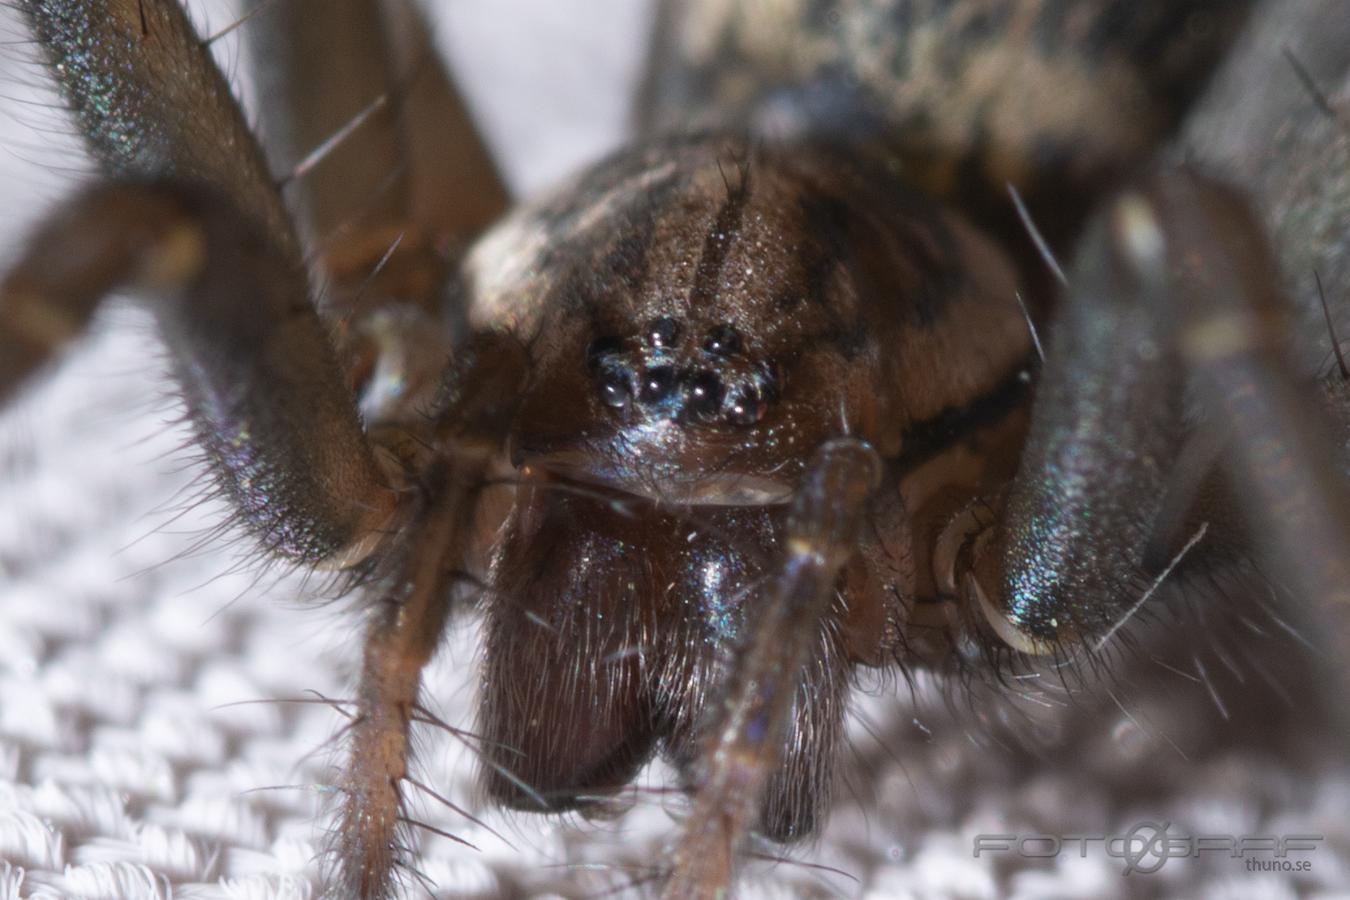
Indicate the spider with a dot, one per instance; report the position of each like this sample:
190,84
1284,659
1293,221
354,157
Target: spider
747,406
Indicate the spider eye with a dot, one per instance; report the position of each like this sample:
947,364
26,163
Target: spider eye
750,400
704,395
663,332
658,383
747,407
723,341
616,387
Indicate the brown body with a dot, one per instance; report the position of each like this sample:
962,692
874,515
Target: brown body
831,288
1059,99
743,407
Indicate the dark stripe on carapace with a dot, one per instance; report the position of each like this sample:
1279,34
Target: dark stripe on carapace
588,287
716,246
924,440
645,211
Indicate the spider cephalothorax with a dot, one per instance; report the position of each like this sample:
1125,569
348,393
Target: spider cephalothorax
717,312
746,406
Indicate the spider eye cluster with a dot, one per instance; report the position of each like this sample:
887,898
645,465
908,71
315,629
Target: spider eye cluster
669,373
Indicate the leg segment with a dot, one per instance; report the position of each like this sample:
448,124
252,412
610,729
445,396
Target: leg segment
152,103
1283,449
253,362
413,160
747,737
391,178
1107,422
195,226
1177,293
406,624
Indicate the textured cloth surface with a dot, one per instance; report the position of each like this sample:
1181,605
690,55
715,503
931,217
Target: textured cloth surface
141,754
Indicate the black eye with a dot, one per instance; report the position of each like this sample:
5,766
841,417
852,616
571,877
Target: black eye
616,387
663,332
747,407
658,383
723,341
704,395
600,348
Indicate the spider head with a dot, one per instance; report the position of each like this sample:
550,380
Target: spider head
701,331
699,321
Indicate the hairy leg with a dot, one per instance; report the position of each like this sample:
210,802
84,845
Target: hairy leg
1176,292
746,741
390,179
192,223
152,104
357,95
196,225
406,622
260,380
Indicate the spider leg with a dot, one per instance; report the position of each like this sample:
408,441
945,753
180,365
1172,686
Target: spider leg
747,737
390,174
1175,292
392,181
379,144
152,104
1234,339
405,624
281,432
192,222
1107,420
260,380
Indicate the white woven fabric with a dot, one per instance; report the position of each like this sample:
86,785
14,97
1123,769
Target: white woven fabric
136,762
